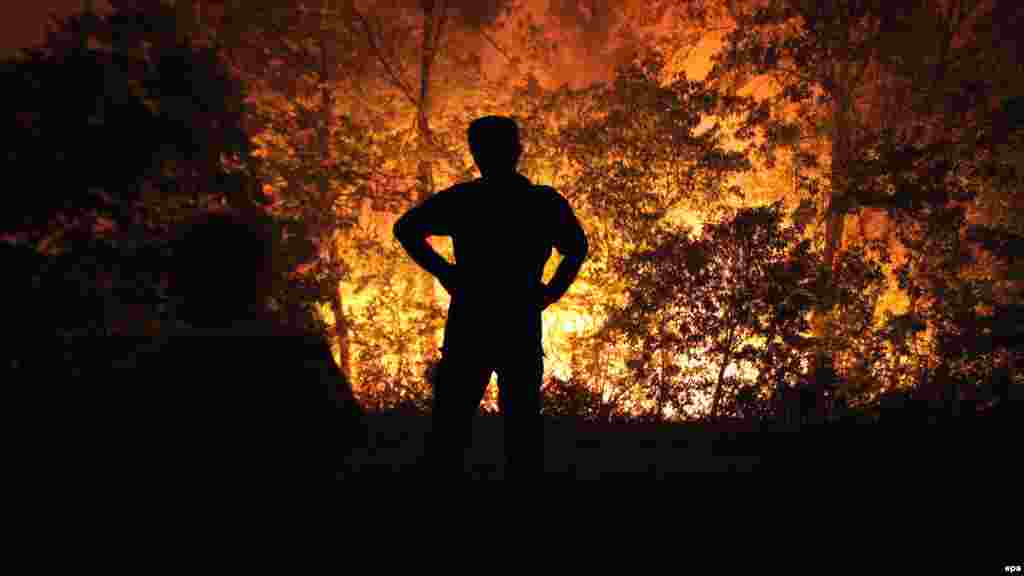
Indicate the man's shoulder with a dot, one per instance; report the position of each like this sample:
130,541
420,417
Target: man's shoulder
551,196
454,193
547,190
464,190
459,188
550,200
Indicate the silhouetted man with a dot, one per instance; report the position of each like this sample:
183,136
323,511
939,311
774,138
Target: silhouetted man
503,229
246,379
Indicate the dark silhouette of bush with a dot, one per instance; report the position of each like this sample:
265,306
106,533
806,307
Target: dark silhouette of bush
570,399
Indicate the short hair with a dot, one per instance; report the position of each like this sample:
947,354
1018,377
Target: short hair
493,132
221,259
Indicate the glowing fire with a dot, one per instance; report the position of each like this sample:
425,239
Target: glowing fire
560,322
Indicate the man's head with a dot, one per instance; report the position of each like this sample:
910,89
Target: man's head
223,268
494,143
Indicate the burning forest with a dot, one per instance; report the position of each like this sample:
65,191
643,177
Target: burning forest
795,211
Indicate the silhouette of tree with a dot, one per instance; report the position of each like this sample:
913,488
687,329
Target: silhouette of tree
142,140
738,294
899,92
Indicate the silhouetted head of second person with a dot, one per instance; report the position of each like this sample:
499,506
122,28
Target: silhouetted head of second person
494,143
222,270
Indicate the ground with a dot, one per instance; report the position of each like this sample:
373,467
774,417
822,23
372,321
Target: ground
576,450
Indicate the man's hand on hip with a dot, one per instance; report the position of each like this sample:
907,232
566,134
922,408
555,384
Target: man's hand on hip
447,276
548,296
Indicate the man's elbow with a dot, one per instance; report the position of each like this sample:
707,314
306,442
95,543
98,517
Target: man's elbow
398,229
577,254
582,249
401,231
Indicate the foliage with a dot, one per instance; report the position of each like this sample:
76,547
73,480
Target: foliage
902,95
348,104
629,157
142,141
703,299
737,295
636,153
390,326
942,189
572,399
332,116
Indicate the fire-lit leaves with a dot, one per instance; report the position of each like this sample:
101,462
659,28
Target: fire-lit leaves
637,151
334,124
571,398
721,297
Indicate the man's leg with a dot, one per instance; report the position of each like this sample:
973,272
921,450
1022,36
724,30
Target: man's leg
519,395
458,390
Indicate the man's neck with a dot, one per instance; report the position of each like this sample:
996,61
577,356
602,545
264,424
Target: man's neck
503,176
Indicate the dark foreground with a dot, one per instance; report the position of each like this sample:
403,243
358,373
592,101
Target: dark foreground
582,451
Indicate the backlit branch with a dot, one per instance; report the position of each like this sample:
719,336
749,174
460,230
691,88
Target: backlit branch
396,79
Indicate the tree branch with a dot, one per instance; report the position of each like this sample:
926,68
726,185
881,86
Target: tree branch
431,38
440,29
395,78
792,73
494,43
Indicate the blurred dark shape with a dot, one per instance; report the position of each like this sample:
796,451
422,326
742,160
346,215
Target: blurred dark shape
222,270
29,320
234,355
1011,115
1003,399
24,269
1007,327
62,308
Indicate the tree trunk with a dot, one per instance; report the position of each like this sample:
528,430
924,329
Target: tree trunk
326,231
716,395
433,21
780,395
600,371
840,162
770,376
835,217
341,331
664,382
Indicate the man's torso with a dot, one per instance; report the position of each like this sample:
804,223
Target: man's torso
502,237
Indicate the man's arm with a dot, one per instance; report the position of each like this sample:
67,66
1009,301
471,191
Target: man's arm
571,243
431,218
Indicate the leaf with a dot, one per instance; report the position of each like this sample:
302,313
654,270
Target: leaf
805,213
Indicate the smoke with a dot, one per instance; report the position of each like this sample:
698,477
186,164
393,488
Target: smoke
597,36
594,38
592,19
479,13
